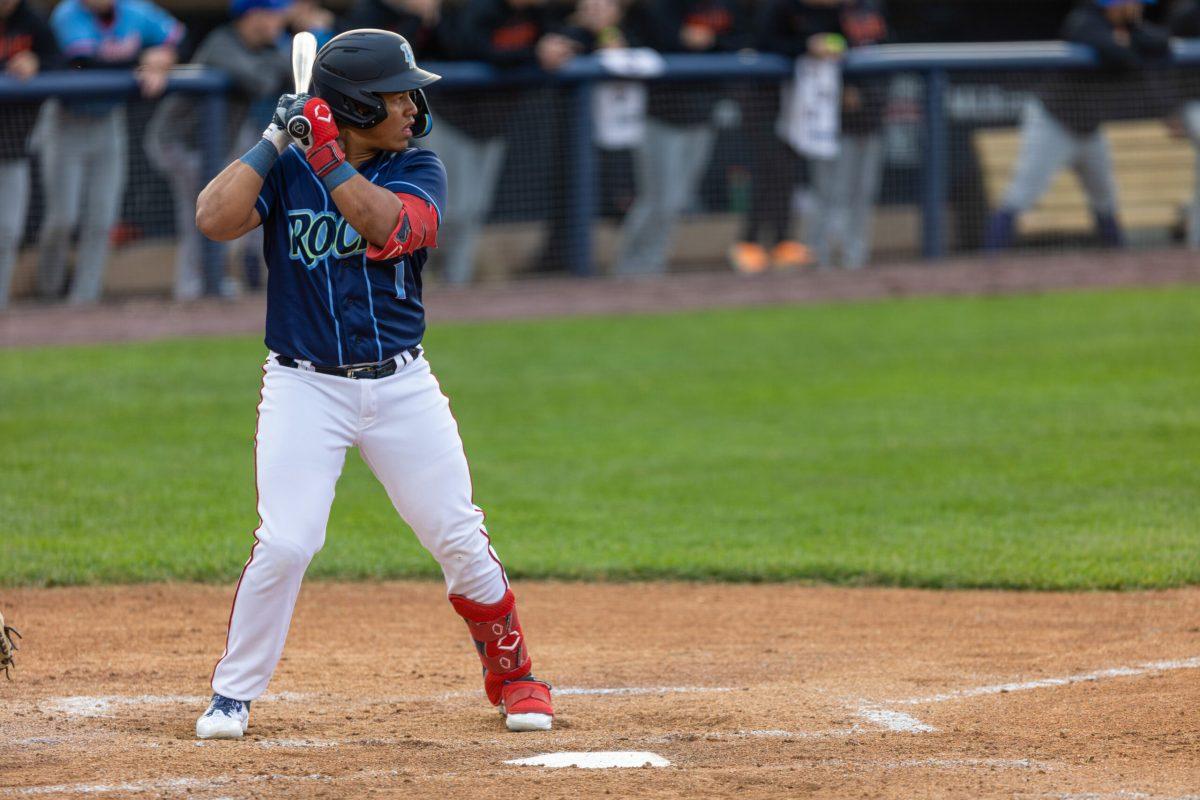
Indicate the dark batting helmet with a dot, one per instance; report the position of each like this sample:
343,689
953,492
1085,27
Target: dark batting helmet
355,67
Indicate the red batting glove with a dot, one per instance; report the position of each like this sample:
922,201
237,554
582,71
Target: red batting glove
320,146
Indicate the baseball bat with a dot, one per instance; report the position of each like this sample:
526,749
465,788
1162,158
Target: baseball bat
304,52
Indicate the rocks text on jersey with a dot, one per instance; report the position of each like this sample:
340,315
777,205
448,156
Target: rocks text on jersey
314,235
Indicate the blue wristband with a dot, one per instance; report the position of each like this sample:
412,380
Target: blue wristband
339,175
261,157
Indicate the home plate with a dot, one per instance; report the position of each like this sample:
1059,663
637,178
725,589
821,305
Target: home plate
613,759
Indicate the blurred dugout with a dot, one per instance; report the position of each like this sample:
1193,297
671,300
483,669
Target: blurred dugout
682,172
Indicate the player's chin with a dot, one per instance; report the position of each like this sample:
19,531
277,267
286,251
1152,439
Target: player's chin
404,138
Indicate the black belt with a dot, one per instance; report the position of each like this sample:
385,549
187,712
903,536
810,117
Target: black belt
381,369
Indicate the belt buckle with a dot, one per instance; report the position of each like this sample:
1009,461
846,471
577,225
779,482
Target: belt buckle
360,372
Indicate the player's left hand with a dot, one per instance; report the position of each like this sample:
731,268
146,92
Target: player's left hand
276,132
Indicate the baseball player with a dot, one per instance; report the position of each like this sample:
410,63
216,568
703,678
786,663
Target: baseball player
348,213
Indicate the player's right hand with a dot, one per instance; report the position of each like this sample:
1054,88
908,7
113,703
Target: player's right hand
318,137
276,133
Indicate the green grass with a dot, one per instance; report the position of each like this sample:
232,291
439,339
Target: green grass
1037,442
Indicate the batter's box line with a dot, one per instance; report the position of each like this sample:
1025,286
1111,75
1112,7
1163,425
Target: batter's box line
1120,794
186,785
884,716
88,706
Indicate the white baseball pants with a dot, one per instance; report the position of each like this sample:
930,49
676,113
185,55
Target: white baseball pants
405,432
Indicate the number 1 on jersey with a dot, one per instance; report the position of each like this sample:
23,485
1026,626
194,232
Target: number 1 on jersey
402,278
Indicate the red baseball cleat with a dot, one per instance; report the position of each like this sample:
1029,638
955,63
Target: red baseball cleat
525,705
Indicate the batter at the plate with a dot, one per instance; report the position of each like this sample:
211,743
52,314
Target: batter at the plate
347,213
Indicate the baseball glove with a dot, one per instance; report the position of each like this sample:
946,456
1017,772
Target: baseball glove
7,646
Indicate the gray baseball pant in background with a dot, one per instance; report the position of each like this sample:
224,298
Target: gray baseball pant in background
472,171
668,166
83,169
1047,146
180,165
14,189
846,190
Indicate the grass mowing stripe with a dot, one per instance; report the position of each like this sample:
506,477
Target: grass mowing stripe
1033,442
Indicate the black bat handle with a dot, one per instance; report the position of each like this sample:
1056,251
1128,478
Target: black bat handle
299,127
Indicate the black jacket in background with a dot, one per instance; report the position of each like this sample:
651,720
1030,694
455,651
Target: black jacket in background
429,42
785,26
1184,19
1122,87
657,24
21,31
1184,22
495,32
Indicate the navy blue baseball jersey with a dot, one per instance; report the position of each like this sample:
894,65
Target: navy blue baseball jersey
326,301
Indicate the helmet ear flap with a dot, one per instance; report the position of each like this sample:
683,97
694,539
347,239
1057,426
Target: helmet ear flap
372,116
351,110
423,124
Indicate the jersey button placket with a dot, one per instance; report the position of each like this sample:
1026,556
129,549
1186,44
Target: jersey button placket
369,403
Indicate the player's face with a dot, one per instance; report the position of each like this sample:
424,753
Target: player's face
394,132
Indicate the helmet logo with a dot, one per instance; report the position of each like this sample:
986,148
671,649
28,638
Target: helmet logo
409,58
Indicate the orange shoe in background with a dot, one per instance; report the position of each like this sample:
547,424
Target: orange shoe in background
789,254
748,258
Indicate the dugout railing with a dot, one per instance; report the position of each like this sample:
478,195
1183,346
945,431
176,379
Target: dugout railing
933,65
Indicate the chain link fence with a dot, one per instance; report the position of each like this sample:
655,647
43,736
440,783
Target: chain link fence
681,163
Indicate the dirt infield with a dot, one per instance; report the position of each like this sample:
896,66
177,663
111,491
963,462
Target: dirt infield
747,691
135,320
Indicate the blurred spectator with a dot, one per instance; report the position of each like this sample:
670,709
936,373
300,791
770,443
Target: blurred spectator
1184,22
846,186
469,131
82,143
680,127
775,171
594,24
1062,125
247,50
26,46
